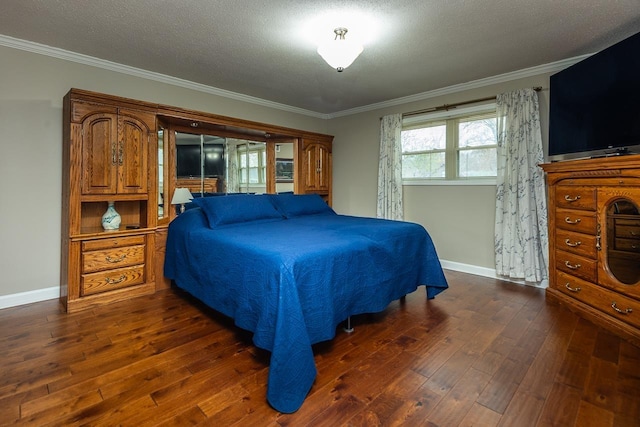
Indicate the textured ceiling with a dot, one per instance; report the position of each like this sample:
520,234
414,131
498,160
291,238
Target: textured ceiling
267,49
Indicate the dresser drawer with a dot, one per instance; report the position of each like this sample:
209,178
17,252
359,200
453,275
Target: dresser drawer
604,300
576,197
109,280
627,228
107,259
577,243
627,245
116,242
576,265
576,220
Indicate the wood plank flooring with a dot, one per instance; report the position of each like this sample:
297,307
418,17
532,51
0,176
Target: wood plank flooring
483,353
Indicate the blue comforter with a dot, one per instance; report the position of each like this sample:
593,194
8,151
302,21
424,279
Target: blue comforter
292,281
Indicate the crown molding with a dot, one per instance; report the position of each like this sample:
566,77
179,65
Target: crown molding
149,75
163,78
501,78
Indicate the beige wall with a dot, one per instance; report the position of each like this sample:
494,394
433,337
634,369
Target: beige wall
459,218
31,90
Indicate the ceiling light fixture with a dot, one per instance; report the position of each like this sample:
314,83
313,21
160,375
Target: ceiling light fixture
340,52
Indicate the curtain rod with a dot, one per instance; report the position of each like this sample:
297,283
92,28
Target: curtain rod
447,107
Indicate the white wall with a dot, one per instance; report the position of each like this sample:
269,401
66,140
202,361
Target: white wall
460,219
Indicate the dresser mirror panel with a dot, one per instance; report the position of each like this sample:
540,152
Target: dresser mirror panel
200,162
285,167
162,179
246,166
623,240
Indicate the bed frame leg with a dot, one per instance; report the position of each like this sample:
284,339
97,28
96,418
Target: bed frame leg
348,329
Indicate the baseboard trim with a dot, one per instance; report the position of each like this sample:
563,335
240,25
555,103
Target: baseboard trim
38,295
486,272
29,297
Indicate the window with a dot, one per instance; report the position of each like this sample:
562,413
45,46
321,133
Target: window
253,161
461,147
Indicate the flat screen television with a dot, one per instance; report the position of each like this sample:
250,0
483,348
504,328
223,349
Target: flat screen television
188,161
594,105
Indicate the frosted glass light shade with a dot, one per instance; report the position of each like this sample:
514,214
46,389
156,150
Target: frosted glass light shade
340,53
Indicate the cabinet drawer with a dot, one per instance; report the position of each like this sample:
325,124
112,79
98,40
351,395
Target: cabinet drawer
117,242
577,243
606,301
94,283
627,245
576,220
107,259
628,229
576,265
576,197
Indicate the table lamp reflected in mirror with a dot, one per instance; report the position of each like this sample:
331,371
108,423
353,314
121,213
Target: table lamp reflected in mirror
181,196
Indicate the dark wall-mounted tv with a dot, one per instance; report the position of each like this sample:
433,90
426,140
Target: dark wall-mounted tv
594,105
188,161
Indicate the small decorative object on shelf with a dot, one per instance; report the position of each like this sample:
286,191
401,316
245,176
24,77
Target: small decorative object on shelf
111,218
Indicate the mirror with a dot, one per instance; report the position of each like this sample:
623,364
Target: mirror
162,173
246,166
222,155
285,167
200,163
623,241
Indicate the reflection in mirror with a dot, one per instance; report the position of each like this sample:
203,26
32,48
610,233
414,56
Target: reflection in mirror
284,167
200,163
247,166
623,241
161,186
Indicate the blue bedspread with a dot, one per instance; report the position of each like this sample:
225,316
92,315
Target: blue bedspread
292,281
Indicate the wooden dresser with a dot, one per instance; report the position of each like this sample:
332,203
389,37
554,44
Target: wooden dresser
594,240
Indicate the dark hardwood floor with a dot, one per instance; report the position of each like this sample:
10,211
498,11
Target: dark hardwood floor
483,353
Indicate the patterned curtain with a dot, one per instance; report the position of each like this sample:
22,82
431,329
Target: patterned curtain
521,239
233,183
390,169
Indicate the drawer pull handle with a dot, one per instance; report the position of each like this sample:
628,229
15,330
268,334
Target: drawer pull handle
111,281
573,267
625,311
634,234
113,153
571,199
572,289
116,260
573,245
120,152
569,221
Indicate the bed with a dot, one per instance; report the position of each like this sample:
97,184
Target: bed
289,269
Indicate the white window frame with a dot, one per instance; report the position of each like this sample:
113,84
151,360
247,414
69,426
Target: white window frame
414,121
243,151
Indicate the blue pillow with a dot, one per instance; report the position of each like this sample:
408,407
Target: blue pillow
292,205
234,209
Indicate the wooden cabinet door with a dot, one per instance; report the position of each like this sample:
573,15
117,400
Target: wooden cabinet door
323,158
100,154
114,154
317,166
133,148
